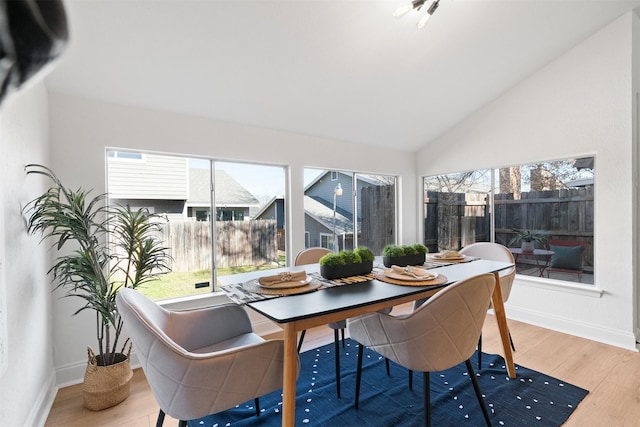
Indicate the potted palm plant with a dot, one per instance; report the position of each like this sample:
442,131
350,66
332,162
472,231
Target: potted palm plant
527,239
114,247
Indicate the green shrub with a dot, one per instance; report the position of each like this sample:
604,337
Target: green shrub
365,254
350,257
393,251
402,250
332,259
420,248
409,250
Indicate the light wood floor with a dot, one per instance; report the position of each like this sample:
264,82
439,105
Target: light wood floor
611,374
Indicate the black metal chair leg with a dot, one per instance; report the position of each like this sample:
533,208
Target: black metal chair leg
304,331
337,349
182,423
426,385
410,380
257,404
342,331
359,374
386,364
160,420
513,347
476,388
480,352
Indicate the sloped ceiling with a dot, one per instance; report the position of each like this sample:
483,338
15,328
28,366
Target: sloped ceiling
346,70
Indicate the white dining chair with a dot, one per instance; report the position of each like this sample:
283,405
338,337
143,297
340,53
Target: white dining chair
439,334
494,252
200,362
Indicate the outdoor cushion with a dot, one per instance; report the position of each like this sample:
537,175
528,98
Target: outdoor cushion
569,257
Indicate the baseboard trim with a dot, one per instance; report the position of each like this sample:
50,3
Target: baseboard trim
615,337
43,403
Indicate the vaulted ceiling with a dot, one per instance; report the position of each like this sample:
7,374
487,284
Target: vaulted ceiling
346,70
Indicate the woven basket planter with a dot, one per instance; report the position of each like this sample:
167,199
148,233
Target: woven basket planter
106,386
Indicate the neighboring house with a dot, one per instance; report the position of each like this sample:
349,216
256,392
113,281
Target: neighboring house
318,205
273,209
159,183
166,184
318,209
233,201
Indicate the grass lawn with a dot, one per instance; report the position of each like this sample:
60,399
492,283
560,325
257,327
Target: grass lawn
180,284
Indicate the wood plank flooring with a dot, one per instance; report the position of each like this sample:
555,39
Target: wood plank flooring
611,374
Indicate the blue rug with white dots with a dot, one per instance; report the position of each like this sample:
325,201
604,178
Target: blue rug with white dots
532,399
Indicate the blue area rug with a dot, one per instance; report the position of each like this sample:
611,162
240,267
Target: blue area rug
532,399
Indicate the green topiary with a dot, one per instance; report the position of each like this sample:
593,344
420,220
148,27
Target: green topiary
420,248
393,251
409,250
332,259
365,254
350,257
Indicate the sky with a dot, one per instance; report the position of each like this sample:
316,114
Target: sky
260,180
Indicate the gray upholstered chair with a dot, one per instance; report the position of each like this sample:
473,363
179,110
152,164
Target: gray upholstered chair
200,362
438,335
312,256
494,252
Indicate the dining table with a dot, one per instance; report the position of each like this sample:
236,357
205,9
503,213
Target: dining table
335,301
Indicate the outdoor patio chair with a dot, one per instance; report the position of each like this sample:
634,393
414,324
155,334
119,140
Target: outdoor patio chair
567,258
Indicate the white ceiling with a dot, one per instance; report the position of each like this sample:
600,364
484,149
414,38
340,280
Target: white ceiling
346,70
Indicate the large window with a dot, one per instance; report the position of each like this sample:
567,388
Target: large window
344,210
247,225
549,201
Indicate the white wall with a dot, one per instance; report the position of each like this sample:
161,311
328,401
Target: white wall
27,385
81,129
580,104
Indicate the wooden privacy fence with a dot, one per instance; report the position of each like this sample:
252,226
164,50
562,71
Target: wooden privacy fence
454,220
378,217
238,243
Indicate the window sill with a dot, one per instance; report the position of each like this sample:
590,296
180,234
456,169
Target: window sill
560,286
193,302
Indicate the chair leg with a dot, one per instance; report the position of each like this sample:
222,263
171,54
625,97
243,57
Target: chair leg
160,419
304,331
480,352
386,364
359,374
342,333
256,401
336,342
410,380
476,388
182,423
513,347
426,385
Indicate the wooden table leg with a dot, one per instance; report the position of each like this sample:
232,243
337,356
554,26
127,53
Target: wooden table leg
289,375
501,318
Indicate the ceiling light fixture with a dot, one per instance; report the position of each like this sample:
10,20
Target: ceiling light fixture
417,5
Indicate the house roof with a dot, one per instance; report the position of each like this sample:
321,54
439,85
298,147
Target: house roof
229,193
324,215
344,70
369,179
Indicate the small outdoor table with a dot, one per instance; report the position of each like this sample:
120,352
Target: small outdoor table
537,254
